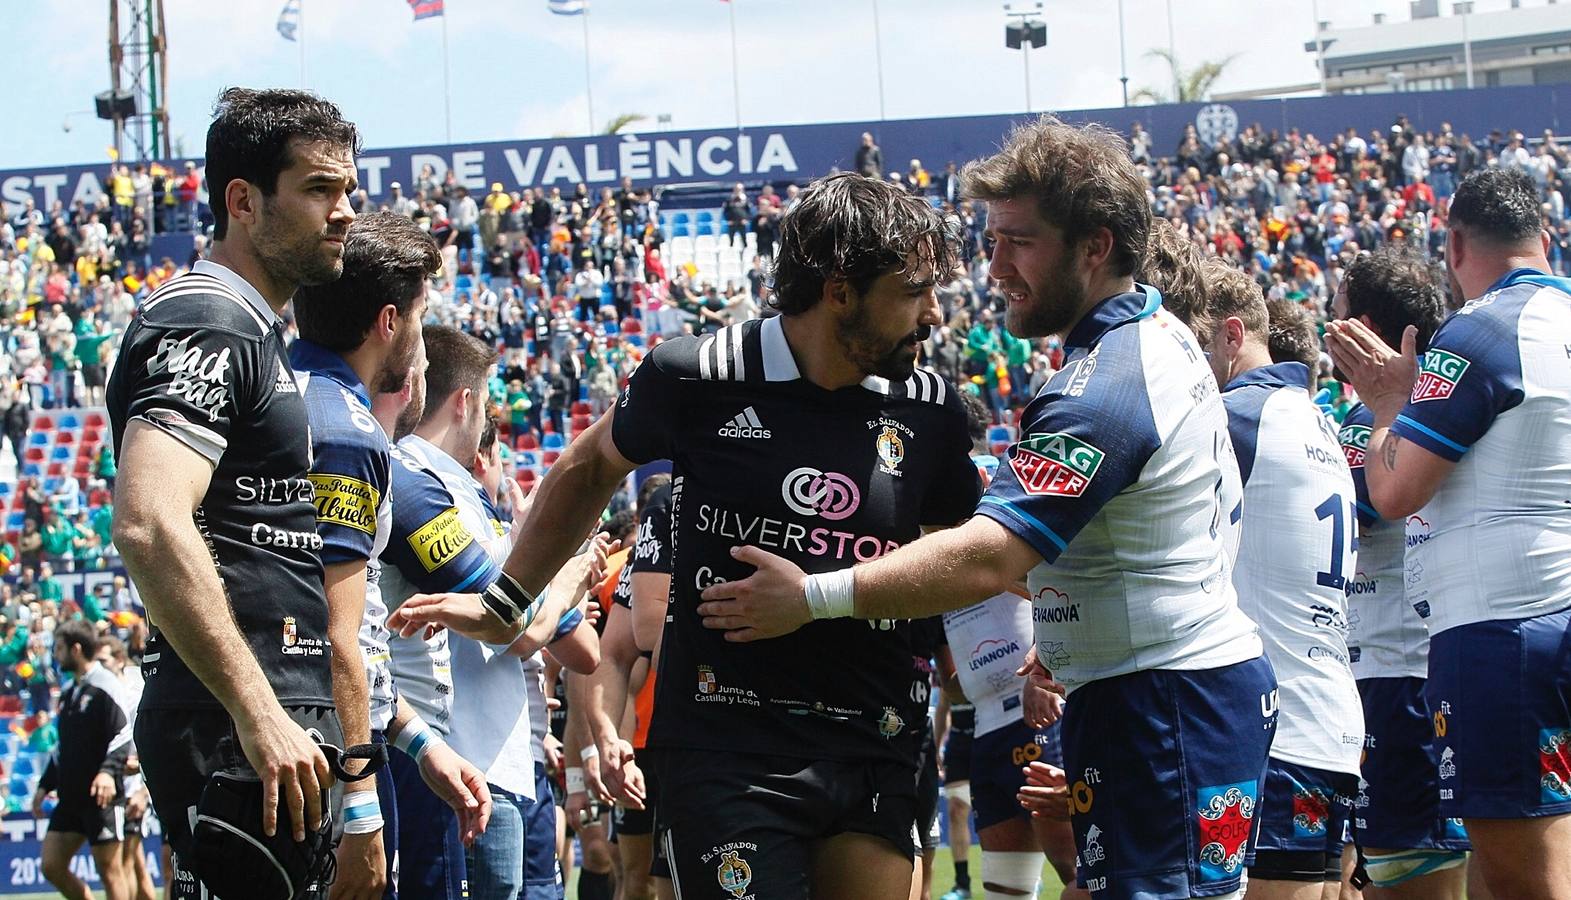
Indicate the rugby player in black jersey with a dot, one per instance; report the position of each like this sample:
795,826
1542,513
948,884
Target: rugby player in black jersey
787,767
213,509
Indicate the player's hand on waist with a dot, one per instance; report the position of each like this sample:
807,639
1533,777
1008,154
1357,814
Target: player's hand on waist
102,789
768,603
426,614
292,767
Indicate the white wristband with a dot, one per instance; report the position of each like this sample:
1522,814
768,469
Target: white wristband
575,780
831,595
417,739
362,812
588,753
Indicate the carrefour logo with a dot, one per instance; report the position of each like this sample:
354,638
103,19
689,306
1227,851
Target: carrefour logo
1439,374
1355,444
1055,464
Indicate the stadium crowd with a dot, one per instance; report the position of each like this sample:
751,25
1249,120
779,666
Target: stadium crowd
571,289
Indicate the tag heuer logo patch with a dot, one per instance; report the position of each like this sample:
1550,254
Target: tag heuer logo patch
1055,464
1355,444
1438,375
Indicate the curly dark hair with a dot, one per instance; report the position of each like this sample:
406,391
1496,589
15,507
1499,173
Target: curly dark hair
251,135
1173,266
852,228
1395,288
1081,178
1501,205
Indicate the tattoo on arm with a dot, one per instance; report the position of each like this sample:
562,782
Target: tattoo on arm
1389,450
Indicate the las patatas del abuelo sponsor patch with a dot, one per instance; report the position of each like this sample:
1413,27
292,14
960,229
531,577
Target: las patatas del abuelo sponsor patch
344,501
1055,464
436,542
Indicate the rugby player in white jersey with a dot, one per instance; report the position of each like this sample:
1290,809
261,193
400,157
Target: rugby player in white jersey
1474,441
1294,561
1116,506
1408,850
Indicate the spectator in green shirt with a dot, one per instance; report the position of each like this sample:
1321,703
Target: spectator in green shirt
49,587
104,465
90,351
981,344
103,521
58,538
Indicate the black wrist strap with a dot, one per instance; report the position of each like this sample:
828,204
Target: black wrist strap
509,601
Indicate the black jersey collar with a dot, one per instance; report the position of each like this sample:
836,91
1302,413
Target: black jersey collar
305,356
780,363
1140,303
240,285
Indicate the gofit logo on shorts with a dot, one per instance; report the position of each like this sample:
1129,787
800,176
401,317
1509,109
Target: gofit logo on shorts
1055,464
1355,444
1438,374
810,492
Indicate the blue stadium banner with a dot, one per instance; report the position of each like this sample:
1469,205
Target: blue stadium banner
801,152
21,868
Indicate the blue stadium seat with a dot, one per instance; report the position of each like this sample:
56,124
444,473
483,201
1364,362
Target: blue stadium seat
5,491
526,459
708,223
15,521
680,225
463,283
633,340
52,484
70,420
31,470
61,453
24,765
38,439
553,441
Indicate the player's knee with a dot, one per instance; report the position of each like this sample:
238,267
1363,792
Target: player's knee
1007,874
1387,870
597,856
959,794
57,869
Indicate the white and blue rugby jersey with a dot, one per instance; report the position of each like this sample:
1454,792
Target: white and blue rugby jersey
1295,557
989,641
1124,481
430,550
490,697
1387,637
1494,396
351,478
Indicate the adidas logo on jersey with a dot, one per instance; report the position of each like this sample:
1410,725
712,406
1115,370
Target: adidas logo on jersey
283,383
745,425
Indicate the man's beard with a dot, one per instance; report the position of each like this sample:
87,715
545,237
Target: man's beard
409,419
1051,307
297,259
394,376
871,351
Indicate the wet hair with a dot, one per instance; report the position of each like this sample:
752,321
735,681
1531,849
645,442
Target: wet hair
1293,337
454,361
1395,288
852,228
1173,266
387,259
1081,178
1500,205
251,135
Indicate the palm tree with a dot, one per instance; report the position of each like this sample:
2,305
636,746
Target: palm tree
622,121
1194,85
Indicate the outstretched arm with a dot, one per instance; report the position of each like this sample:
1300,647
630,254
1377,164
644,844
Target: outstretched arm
943,571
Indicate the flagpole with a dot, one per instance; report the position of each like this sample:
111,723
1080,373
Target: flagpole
878,55
447,81
589,82
736,81
300,30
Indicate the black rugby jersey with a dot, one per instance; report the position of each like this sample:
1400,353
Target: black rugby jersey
824,478
204,361
651,548
95,736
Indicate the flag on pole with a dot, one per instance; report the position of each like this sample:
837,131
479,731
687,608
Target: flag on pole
289,19
425,9
568,7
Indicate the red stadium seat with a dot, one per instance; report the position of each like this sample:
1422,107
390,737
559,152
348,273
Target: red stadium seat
96,420
43,422
34,454
580,422
580,408
549,457
527,442
55,468
65,437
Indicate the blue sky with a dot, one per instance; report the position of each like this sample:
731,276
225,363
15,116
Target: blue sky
518,71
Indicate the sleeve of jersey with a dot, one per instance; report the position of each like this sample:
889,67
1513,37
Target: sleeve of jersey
641,427
432,547
350,478
193,384
654,554
1075,456
1470,374
953,495
1354,438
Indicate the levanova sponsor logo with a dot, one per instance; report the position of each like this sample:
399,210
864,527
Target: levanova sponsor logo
1417,531
991,651
1052,605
